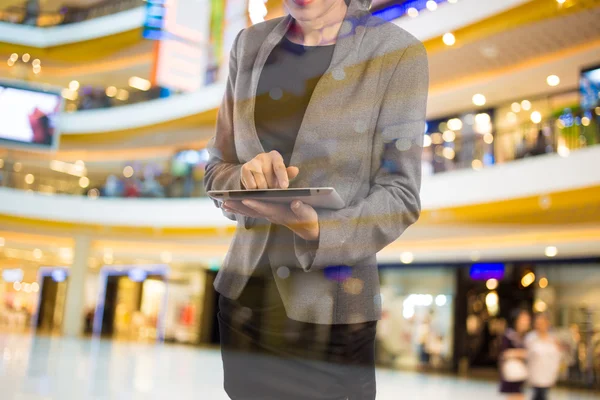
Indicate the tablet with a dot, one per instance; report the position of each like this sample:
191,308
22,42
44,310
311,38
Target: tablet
321,197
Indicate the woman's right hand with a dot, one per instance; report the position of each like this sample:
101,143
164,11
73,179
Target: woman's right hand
267,171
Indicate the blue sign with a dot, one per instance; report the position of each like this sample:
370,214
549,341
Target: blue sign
154,21
396,11
485,271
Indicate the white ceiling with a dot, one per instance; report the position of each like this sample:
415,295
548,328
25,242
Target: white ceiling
516,46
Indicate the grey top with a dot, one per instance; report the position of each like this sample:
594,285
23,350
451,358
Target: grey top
286,84
362,133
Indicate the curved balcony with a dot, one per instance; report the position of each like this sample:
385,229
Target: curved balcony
508,212
444,197
60,35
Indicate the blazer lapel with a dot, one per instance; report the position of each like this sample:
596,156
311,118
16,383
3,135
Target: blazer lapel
345,54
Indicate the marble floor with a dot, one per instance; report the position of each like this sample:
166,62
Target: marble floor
43,368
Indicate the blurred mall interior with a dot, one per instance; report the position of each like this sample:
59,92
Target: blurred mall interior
109,245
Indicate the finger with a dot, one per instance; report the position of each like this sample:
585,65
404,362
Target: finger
292,172
261,181
247,178
267,170
243,210
303,211
279,169
266,209
255,167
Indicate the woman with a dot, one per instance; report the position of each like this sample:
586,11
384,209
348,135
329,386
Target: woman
325,96
513,356
543,357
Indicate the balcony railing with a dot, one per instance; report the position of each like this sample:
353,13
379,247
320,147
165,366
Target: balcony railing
473,152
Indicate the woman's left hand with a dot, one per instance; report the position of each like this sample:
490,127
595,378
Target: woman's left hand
301,218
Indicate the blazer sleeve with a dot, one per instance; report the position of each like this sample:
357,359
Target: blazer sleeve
223,170
359,231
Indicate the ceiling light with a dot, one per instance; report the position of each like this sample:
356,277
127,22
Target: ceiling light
432,5
455,124
436,138
528,279
561,1
488,138
407,257
553,80
37,254
440,300
551,251
26,57
14,57
585,121
477,164
491,284
84,182
563,150
29,179
449,136
544,283
69,94
128,171
139,83
479,99
449,153
491,299
412,12
74,86
111,91
36,62
483,119
37,69
122,95
449,39
540,306
516,107
526,105
17,166
536,117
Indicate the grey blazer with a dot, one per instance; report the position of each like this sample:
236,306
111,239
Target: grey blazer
362,133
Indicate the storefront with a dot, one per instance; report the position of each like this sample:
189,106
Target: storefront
146,303
416,330
569,292
458,142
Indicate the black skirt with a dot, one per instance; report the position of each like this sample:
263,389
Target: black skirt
267,356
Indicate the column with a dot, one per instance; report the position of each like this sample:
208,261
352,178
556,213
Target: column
74,304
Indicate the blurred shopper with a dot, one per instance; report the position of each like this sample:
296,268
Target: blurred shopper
337,98
543,357
112,187
540,146
513,356
575,350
